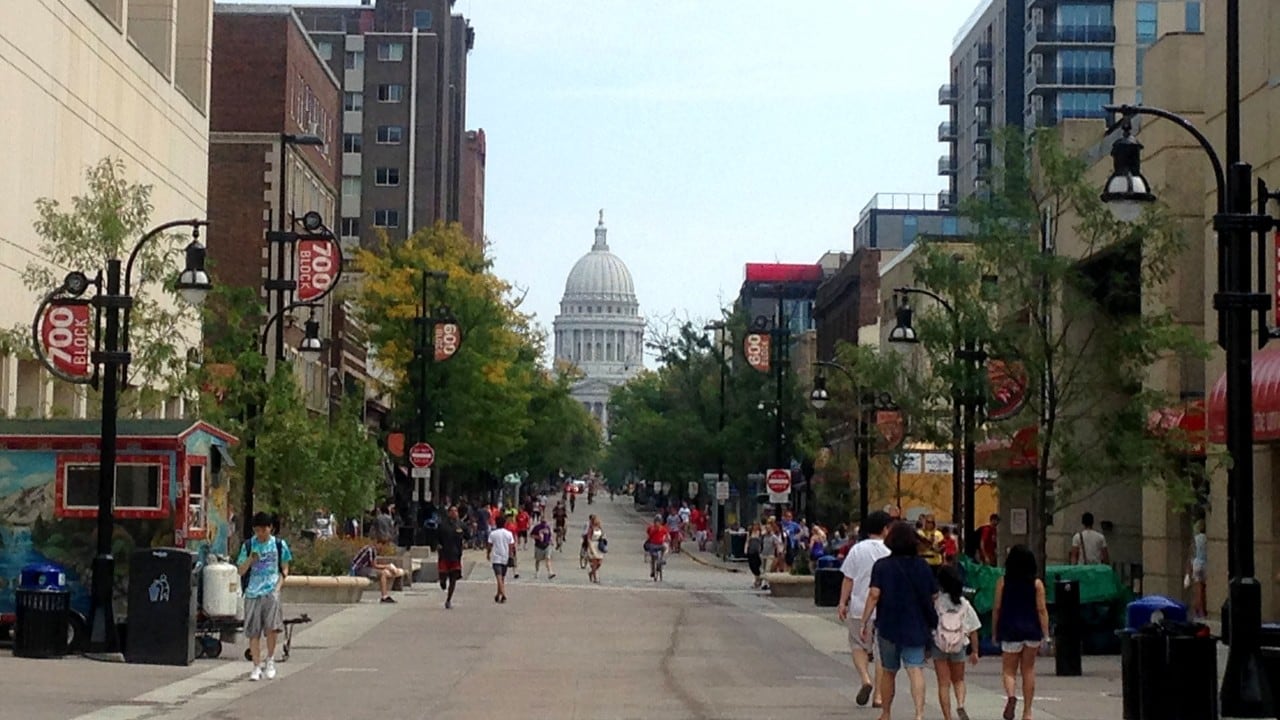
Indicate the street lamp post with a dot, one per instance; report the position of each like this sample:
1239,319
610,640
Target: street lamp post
1244,691
424,355
721,342
868,403
282,240
966,403
112,354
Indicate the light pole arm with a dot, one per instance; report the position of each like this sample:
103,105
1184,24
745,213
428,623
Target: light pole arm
266,329
931,294
1219,174
194,224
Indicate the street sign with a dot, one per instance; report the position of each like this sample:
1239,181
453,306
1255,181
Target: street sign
722,490
317,267
422,455
66,333
693,489
778,481
420,472
448,338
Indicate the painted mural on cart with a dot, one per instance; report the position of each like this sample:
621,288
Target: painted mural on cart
171,490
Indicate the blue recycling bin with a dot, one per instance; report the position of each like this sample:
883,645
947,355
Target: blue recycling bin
828,561
43,612
1153,608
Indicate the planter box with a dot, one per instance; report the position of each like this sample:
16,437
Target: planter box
788,585
325,590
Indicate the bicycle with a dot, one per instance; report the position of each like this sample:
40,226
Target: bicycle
657,559
560,536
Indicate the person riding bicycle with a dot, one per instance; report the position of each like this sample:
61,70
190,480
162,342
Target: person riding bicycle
561,518
656,537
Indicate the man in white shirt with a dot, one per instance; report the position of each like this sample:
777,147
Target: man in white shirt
1089,547
853,599
501,552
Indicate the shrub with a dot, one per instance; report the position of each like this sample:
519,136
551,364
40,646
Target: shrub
332,556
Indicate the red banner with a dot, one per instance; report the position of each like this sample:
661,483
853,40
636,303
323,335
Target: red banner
66,331
1276,304
756,347
317,267
892,427
1008,382
448,338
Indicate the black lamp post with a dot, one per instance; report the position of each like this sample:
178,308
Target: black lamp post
111,353
966,403
868,403
722,342
425,354
1245,688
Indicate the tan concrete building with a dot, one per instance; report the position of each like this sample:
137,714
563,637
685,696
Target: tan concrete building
81,80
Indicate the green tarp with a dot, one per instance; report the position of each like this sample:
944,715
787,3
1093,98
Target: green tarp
1098,583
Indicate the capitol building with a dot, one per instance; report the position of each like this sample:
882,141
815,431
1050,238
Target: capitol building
599,328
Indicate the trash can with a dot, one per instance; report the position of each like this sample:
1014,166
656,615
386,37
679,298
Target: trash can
162,607
43,612
1192,656
737,544
1169,670
1067,629
1129,675
1154,609
828,561
826,586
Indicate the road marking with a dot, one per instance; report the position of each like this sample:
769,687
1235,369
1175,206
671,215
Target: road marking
355,670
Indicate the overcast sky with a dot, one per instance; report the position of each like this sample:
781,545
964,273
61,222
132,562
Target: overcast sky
713,133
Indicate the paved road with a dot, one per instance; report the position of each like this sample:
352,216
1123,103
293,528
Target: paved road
700,645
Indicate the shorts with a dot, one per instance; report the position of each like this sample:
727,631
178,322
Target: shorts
893,656
1198,574
854,624
370,572
541,554
449,569
936,653
523,534
500,570
1016,647
262,616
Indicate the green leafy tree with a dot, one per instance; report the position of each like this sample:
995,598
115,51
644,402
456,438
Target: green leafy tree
1080,323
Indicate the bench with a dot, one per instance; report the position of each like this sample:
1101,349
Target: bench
788,585
325,589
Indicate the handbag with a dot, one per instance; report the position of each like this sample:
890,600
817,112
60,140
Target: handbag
603,545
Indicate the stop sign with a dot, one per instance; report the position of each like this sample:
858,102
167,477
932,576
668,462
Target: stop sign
778,481
421,455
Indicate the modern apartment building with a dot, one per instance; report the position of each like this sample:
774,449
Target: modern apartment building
270,85
83,80
1035,63
892,221
985,92
403,68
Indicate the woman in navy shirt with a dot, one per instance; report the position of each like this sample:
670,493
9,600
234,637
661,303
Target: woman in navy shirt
906,617
1021,621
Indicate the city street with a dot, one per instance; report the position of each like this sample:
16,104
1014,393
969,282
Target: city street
700,645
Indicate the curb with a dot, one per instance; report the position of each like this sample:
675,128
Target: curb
716,566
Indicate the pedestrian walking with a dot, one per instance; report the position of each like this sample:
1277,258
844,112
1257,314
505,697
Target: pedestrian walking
904,590
1198,573
501,553
771,547
383,529
856,568
264,559
1021,621
987,539
755,546
597,546
955,638
542,548
449,564
1089,547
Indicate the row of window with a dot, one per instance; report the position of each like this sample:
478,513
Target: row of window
386,93
386,135
382,177
393,51
140,491
350,226
1085,14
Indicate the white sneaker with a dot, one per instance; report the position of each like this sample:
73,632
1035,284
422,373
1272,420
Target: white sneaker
271,670
256,674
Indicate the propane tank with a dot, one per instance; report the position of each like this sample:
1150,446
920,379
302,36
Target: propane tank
221,589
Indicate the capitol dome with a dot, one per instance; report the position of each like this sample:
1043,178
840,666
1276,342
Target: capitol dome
599,329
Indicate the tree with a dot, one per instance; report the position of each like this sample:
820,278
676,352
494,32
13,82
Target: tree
563,435
1080,324
102,224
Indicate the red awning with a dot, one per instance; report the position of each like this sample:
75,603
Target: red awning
1187,418
1019,452
1266,400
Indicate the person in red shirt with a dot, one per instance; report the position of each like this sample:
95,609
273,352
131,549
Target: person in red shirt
987,541
698,520
656,538
950,545
523,521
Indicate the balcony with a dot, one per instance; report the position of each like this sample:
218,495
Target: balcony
946,200
947,95
983,128
1050,78
1045,117
946,165
984,54
1047,35
984,93
946,132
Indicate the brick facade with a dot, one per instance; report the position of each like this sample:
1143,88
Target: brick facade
847,301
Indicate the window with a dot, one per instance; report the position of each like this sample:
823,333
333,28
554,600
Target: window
1083,104
390,134
391,52
138,488
1147,22
390,93
354,60
195,498
1193,16
950,225
910,228
351,142
386,218
386,176
353,101
422,19
325,50
350,227
351,186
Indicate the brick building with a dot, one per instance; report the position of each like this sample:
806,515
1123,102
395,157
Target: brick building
472,191
847,301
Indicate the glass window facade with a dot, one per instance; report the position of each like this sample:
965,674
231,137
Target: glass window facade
1193,16
950,226
1082,104
1085,14
910,228
1148,23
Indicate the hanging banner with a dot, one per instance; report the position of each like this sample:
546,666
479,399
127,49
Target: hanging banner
1008,382
66,334
317,267
1276,304
892,429
756,346
448,338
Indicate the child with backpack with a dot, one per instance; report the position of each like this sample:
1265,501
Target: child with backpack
957,628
